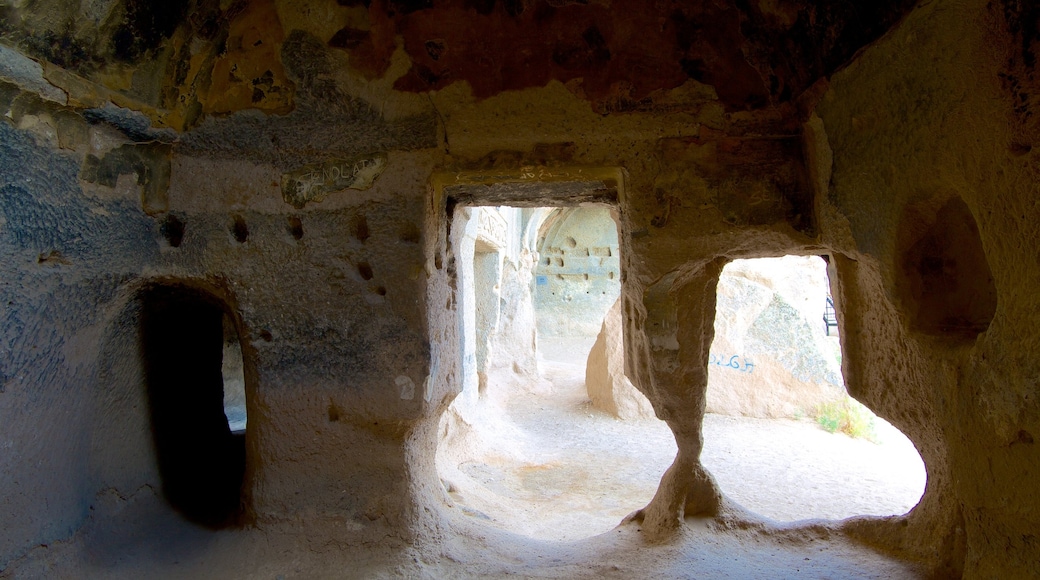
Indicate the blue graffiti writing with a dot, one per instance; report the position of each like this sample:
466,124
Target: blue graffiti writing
735,362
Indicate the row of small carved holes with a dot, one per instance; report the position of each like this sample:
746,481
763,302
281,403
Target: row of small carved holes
172,229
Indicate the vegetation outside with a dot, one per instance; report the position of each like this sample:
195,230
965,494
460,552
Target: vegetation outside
848,416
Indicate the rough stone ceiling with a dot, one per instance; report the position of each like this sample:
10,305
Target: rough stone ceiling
189,58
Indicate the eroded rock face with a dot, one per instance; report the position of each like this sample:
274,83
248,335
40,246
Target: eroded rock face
516,344
771,356
603,52
187,59
608,387
952,379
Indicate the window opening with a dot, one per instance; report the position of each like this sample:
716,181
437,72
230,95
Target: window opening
782,436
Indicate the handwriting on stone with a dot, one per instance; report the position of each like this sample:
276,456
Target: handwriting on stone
735,362
316,181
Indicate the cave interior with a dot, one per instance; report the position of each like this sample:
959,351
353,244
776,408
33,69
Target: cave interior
283,176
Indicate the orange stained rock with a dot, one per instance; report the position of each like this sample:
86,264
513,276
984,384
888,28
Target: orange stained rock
249,74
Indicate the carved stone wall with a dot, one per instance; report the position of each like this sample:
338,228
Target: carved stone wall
303,162
578,276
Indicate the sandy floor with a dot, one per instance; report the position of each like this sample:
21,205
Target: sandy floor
572,472
560,471
144,539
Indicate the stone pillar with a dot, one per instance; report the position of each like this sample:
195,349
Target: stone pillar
679,330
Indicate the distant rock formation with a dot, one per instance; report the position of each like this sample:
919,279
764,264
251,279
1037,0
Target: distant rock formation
771,356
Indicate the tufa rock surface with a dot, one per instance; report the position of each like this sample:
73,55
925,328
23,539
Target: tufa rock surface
608,387
771,356
144,146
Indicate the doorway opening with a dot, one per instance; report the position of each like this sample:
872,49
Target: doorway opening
523,447
782,436
196,397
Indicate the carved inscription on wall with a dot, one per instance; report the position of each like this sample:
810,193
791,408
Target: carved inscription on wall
492,227
316,181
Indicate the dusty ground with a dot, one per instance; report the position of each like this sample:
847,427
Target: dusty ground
144,539
572,473
556,469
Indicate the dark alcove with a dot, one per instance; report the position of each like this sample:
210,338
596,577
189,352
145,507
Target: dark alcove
947,285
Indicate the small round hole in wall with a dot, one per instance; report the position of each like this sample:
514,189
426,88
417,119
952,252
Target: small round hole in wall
365,270
172,228
410,233
295,228
361,231
239,229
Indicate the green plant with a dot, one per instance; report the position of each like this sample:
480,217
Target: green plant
848,416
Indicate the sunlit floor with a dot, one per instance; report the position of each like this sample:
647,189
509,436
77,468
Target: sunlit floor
572,472
563,472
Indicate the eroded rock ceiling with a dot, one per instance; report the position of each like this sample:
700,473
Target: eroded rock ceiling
187,59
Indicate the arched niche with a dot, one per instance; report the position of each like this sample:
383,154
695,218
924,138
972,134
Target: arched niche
943,277
578,273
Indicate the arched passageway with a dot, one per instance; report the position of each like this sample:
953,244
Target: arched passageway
201,460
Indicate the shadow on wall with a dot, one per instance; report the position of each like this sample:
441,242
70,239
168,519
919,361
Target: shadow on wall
201,462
